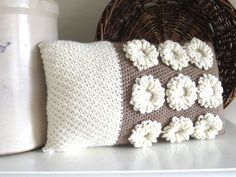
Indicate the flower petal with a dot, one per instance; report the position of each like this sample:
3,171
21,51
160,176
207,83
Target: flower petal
141,53
148,95
200,53
146,133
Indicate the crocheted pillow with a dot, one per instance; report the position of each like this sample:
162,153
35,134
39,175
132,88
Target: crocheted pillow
105,93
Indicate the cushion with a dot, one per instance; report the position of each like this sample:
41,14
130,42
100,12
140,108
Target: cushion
104,93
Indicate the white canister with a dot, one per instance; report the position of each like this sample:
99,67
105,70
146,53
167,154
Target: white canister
23,24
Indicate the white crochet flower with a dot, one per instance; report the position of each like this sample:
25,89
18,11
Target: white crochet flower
200,53
146,133
207,126
174,55
148,95
181,92
143,54
209,91
178,130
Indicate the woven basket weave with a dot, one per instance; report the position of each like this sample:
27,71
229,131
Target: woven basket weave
178,20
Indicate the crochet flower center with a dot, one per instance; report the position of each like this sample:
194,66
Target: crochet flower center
180,131
148,136
209,91
207,126
145,133
173,55
200,53
181,92
143,54
140,53
148,94
176,54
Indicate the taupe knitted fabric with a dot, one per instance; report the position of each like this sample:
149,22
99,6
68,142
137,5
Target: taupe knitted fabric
165,113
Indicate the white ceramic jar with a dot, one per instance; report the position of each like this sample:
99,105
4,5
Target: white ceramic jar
23,24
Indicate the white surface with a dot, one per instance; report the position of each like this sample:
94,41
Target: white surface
212,158
78,18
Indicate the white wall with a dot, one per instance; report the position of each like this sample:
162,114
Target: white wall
78,18
233,2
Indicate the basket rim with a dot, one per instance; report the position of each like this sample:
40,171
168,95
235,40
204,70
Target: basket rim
107,16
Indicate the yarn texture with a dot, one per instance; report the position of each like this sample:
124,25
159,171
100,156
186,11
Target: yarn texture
96,96
146,133
180,129
148,94
200,53
209,91
181,92
84,97
173,55
143,54
207,126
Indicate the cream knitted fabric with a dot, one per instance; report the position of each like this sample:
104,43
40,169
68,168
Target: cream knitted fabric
84,94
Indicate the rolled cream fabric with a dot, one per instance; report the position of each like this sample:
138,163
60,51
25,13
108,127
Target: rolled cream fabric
89,92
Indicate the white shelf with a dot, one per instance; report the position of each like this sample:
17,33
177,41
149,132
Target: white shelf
212,158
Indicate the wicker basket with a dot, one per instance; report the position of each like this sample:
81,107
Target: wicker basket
179,20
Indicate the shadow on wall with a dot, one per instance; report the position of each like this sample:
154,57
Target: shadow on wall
78,19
